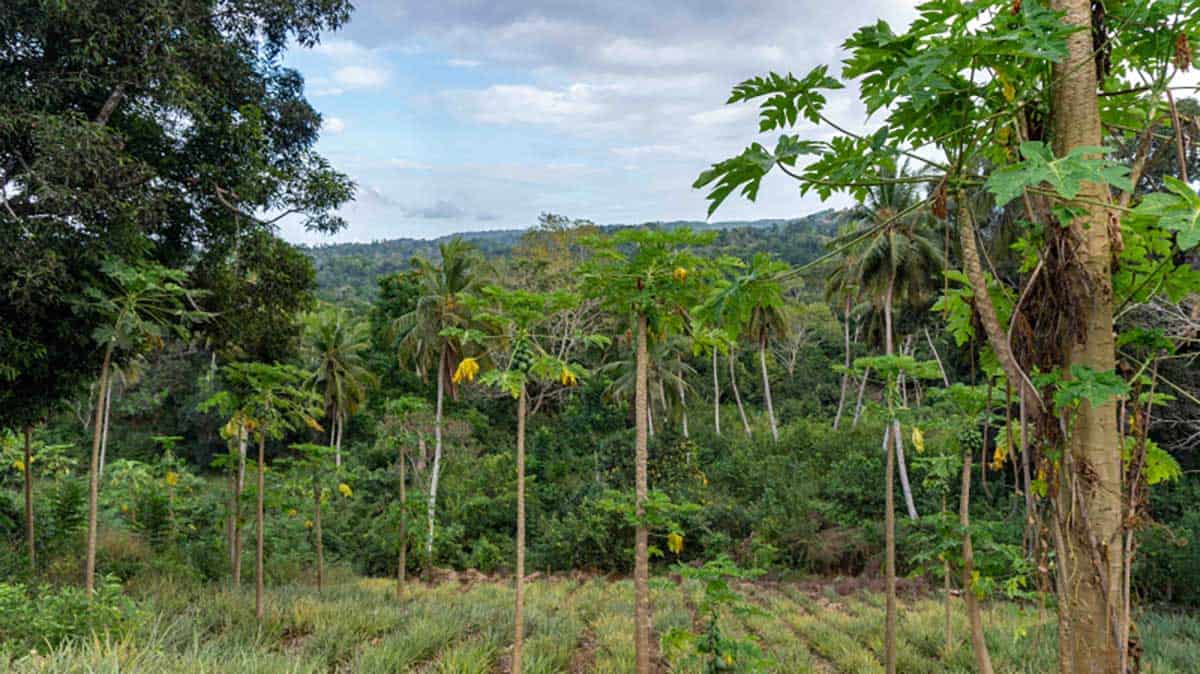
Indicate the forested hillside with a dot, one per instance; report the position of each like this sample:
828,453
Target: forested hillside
348,271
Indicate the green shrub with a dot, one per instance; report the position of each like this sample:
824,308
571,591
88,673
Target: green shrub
46,616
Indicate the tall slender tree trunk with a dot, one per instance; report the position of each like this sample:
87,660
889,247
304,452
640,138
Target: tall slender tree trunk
259,521
889,529
737,396
104,433
890,499
337,439
437,462
716,394
683,403
89,574
27,469
231,523
837,419
1092,569
946,594
904,485
317,536
858,405
641,561
983,661
519,612
402,566
762,360
243,440
938,358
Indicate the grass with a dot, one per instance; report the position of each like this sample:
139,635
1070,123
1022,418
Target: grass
359,625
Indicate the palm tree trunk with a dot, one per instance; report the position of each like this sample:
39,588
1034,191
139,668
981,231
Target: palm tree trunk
402,566
231,522
983,661
858,406
683,403
437,462
259,520
889,529
716,394
27,469
762,359
318,538
89,575
837,419
336,432
737,396
641,562
938,358
908,497
104,434
519,612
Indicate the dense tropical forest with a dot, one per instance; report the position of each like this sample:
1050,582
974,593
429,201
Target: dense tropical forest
951,428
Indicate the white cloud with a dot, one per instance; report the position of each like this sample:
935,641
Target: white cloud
360,77
341,50
333,125
464,63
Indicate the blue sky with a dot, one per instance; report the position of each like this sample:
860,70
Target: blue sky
463,115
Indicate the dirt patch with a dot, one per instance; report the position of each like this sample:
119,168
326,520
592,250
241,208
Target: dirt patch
585,653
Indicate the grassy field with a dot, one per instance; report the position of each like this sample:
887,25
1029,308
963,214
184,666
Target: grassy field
359,625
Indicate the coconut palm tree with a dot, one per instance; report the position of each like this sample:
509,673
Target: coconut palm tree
336,347
842,290
752,304
422,344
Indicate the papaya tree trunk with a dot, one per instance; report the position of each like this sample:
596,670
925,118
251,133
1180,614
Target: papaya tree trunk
1092,569
437,462
641,562
519,612
837,419
259,521
231,523
89,574
317,537
402,567
983,660
762,360
27,469
243,440
737,396
889,529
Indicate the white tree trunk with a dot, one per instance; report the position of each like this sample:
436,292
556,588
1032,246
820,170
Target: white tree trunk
104,431
716,394
736,395
908,497
762,359
437,461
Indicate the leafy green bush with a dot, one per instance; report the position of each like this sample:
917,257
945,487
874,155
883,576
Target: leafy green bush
46,616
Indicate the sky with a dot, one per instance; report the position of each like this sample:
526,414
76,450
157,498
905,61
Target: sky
473,115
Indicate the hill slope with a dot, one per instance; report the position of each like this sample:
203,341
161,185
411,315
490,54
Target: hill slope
349,271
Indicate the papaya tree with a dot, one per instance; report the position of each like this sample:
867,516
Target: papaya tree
275,402
509,334
401,426
314,464
649,278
